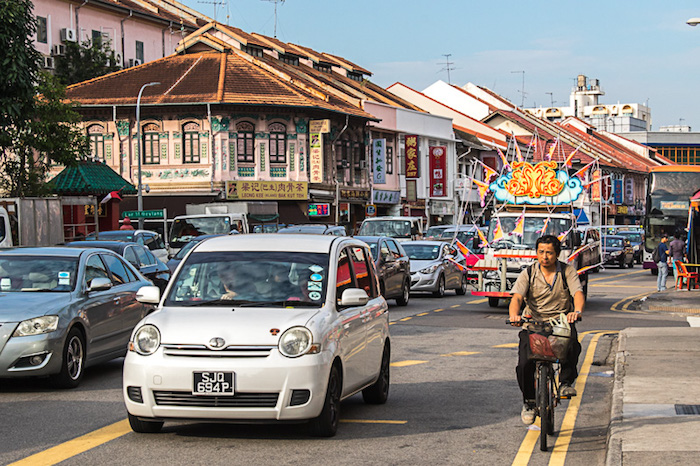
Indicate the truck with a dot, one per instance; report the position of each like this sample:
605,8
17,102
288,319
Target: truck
36,221
520,219
400,228
206,219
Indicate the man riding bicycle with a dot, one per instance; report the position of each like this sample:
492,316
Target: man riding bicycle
546,293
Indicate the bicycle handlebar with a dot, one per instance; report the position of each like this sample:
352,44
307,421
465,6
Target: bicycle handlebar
525,319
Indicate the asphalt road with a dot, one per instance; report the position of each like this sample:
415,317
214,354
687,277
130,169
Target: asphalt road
453,400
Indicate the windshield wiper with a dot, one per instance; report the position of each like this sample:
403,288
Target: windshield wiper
283,303
213,302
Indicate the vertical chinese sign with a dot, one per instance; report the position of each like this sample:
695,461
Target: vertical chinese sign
411,158
316,130
438,168
379,161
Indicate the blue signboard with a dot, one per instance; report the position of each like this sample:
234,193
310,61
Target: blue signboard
617,191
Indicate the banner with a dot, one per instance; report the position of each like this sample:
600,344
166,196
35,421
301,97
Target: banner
379,161
267,190
438,169
316,158
411,158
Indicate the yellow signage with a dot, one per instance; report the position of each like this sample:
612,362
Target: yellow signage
534,181
267,190
320,126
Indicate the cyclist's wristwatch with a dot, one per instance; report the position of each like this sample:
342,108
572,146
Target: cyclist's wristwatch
577,312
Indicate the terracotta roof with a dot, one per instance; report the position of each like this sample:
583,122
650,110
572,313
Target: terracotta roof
169,12
215,77
88,177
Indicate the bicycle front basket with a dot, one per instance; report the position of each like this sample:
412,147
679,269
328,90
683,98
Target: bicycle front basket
548,347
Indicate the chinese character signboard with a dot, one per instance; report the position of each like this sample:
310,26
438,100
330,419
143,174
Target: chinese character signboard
379,161
617,191
267,190
438,168
629,190
411,157
386,197
320,126
355,194
319,210
316,158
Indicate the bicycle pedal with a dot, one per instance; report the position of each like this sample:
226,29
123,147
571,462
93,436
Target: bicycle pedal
567,397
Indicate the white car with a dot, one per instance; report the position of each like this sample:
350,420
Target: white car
261,327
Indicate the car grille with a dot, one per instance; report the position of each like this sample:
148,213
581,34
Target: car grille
239,400
201,351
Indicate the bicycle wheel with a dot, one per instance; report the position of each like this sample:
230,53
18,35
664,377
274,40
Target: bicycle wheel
550,391
543,403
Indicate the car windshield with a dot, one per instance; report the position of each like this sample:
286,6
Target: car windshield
532,229
422,252
392,228
468,238
117,235
185,249
251,278
434,232
184,229
32,273
612,242
633,237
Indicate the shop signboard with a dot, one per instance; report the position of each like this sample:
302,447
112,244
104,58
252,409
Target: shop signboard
386,197
411,159
267,190
379,161
319,210
438,169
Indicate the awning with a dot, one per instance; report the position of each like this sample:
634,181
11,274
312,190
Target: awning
581,217
89,178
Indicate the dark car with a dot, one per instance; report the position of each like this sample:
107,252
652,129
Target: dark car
177,258
152,240
135,254
617,251
636,239
393,267
315,229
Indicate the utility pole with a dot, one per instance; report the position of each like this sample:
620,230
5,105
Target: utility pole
522,92
275,2
448,66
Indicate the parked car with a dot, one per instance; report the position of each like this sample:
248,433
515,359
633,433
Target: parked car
636,239
434,232
177,258
393,267
468,236
139,256
150,239
435,267
64,309
264,328
315,229
617,250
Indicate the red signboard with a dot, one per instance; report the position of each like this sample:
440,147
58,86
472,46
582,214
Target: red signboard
438,171
412,157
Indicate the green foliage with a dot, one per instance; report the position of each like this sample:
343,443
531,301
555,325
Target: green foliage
85,61
36,124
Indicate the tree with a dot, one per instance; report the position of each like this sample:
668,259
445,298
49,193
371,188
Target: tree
36,123
85,61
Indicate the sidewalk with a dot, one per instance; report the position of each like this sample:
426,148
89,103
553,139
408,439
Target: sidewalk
655,415
670,301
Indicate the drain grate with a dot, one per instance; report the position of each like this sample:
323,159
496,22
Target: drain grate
687,409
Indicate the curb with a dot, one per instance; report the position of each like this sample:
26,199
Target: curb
613,455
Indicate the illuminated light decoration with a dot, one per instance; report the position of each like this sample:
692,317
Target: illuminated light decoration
483,190
544,226
567,162
462,248
503,159
459,266
484,241
519,226
540,184
498,232
489,173
550,153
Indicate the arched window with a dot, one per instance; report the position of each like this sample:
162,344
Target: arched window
151,143
278,143
190,142
246,142
97,141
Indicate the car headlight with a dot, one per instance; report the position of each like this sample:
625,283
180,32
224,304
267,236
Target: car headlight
492,275
296,342
36,326
615,253
636,248
146,340
430,269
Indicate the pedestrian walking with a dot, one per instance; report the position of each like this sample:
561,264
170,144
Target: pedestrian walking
662,264
676,249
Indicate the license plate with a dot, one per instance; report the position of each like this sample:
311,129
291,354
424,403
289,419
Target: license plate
213,383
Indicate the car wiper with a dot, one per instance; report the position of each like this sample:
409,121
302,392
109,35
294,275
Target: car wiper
213,302
282,303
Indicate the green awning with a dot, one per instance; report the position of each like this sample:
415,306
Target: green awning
89,178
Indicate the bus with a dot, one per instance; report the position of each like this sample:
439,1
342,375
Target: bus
667,205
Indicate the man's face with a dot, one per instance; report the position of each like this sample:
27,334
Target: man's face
546,255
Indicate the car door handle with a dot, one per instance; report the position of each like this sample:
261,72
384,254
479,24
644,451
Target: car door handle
116,300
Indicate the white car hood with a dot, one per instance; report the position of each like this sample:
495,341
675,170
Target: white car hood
240,326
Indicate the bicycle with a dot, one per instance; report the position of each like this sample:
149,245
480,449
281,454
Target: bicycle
547,388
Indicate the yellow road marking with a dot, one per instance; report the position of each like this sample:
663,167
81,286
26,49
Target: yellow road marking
522,458
628,300
620,286
478,301
561,446
406,363
506,345
615,278
392,323
370,421
456,305
438,310
422,314
405,319
461,353
76,446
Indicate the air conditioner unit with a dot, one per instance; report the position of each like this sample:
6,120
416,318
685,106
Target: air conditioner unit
134,62
119,59
48,63
68,35
58,49
105,38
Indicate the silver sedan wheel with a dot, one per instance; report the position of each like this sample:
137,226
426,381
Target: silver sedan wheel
75,356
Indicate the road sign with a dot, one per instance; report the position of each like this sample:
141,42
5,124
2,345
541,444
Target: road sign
158,213
370,210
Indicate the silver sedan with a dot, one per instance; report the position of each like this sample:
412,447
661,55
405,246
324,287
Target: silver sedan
435,267
64,309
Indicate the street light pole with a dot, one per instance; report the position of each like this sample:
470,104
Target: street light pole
140,147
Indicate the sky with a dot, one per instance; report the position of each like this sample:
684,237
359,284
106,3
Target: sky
641,51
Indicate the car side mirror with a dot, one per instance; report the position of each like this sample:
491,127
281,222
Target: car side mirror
353,297
148,295
99,284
